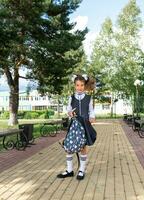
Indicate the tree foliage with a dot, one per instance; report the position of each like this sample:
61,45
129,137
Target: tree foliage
117,57
37,35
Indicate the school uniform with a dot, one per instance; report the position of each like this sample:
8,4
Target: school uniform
84,111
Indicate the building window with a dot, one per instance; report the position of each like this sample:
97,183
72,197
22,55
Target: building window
106,107
6,98
27,98
36,98
55,108
39,108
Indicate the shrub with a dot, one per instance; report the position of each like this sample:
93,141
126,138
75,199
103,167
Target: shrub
5,115
31,115
48,113
42,114
21,114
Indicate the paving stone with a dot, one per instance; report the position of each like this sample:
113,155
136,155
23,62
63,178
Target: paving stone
114,170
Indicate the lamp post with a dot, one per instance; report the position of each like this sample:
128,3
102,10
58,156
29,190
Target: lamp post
137,83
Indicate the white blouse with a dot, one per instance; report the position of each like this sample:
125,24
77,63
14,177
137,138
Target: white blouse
80,97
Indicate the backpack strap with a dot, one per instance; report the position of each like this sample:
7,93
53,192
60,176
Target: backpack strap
78,160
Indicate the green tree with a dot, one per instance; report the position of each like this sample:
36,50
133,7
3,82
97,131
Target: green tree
128,52
37,35
102,59
83,66
117,56
80,68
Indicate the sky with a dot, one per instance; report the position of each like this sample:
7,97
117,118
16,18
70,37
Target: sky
92,14
98,10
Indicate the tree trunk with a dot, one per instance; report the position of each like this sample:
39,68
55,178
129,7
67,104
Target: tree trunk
13,83
13,106
58,106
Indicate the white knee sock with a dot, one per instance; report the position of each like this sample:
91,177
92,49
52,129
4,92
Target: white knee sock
69,160
83,162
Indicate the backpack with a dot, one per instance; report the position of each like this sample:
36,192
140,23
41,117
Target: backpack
75,139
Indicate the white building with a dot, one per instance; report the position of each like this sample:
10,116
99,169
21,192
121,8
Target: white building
33,101
120,107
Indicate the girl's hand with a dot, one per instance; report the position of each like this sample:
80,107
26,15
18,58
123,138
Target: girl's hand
92,120
71,114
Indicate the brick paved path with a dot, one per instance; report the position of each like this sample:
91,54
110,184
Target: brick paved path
136,142
113,172
12,157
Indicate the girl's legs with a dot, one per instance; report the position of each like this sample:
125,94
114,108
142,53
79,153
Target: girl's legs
83,157
69,160
69,171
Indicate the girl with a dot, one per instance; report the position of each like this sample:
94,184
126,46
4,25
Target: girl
81,103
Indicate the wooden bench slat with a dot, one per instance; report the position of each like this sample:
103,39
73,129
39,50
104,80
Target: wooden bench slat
6,132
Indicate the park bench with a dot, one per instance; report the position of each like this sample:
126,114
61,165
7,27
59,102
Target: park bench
135,125
24,134
57,125
128,119
45,129
125,116
11,143
131,121
140,129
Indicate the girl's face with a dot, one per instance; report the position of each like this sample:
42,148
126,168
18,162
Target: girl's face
79,86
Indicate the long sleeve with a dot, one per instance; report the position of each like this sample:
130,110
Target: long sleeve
69,107
91,109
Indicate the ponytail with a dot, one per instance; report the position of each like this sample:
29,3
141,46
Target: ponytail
90,84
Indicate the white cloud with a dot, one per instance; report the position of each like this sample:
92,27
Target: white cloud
81,22
89,42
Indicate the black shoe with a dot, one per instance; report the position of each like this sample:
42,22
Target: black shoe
80,175
68,174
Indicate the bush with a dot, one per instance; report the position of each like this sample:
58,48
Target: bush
31,115
21,114
48,113
5,115
38,114
42,114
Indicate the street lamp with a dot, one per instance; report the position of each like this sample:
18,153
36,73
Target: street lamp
137,83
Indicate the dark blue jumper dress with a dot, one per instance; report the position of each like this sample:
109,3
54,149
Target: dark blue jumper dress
82,112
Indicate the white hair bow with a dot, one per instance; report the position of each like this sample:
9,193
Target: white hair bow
85,76
73,77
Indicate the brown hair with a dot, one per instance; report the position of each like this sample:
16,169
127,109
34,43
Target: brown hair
89,83
80,78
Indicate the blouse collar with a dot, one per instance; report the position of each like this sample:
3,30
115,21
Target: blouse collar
79,95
